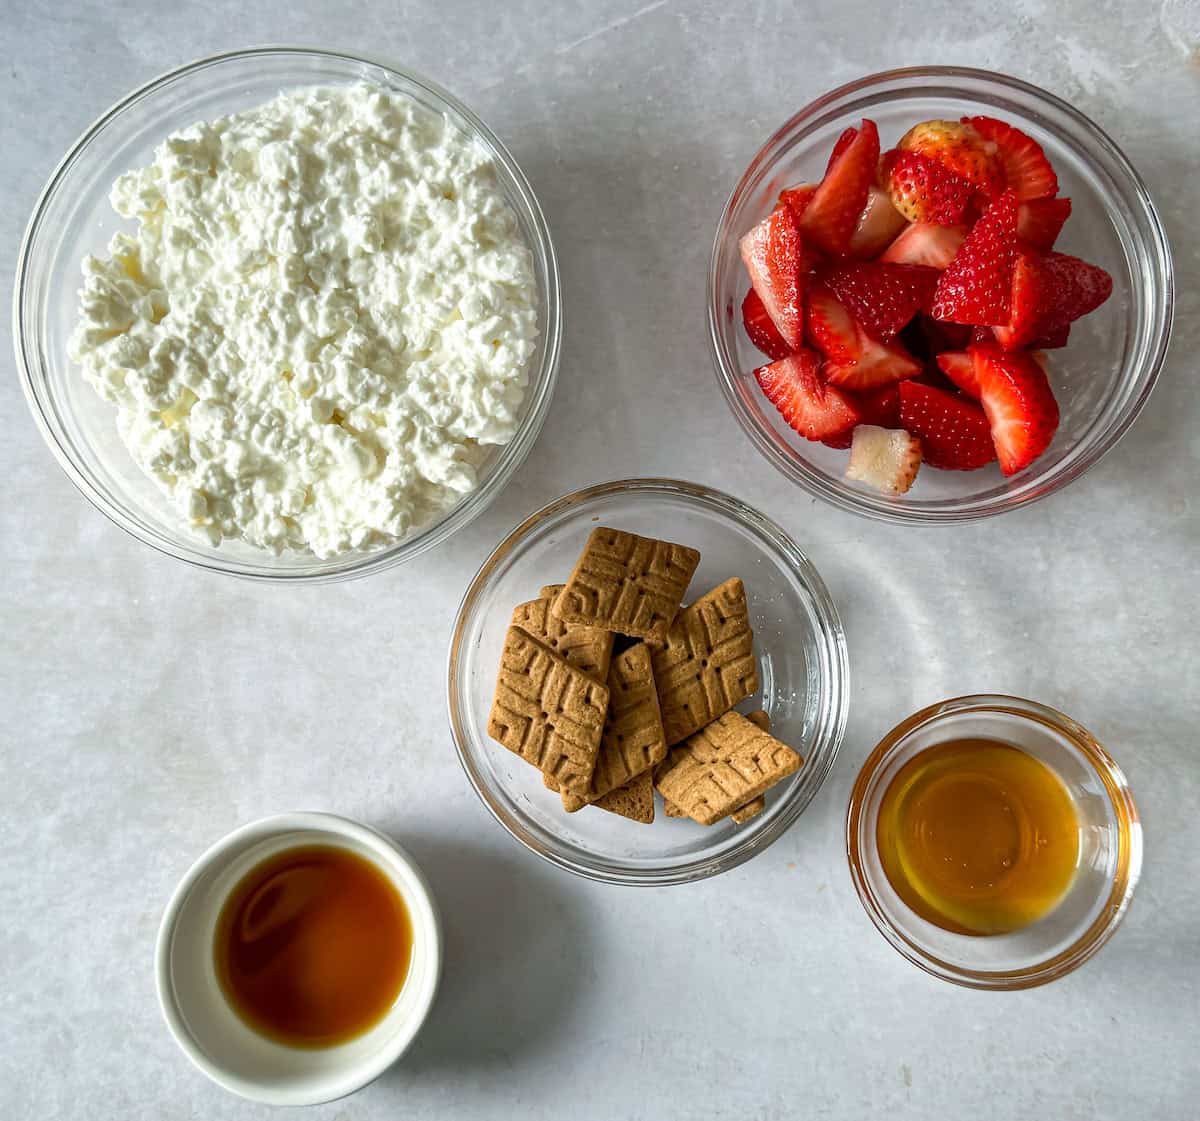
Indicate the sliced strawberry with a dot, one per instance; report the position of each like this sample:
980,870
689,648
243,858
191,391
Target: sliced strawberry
885,459
840,145
878,225
1040,221
774,257
1027,172
953,431
876,406
1075,288
831,328
976,287
943,336
925,243
881,297
923,190
959,367
798,197
1019,404
831,216
878,364
760,329
980,335
1055,337
794,386
959,149
1030,296
855,360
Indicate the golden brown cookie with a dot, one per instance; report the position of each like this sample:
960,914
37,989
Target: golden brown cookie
722,767
547,711
755,806
751,809
633,739
634,800
626,583
586,648
707,665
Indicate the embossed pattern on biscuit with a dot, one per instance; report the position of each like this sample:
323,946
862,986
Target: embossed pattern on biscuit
586,648
755,806
633,739
626,583
547,711
707,664
722,767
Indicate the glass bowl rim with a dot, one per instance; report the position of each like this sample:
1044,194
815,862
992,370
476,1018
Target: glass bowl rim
349,565
791,465
829,634
1120,797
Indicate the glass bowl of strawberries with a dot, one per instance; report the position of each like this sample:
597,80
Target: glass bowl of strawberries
937,294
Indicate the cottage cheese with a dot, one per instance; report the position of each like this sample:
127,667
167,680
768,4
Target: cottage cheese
324,317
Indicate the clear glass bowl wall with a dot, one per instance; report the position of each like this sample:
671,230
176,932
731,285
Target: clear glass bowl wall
73,218
1102,379
802,669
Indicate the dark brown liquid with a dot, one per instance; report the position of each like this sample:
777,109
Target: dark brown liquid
312,947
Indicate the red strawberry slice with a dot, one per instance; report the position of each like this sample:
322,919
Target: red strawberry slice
882,297
760,329
1030,300
798,197
774,257
831,328
953,431
877,406
840,145
1019,404
943,336
1040,221
959,367
959,149
878,225
854,359
830,218
1055,337
878,364
794,386
1075,288
976,287
1027,172
923,190
925,243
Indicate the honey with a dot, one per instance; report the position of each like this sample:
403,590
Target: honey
312,947
978,837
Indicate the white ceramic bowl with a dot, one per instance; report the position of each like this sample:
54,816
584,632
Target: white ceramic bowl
209,1031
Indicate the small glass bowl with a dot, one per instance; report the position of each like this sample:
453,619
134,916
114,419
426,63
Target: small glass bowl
1101,379
1110,857
73,218
801,666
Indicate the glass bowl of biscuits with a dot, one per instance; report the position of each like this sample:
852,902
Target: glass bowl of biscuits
648,682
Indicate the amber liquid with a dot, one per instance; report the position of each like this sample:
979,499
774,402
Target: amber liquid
978,837
312,947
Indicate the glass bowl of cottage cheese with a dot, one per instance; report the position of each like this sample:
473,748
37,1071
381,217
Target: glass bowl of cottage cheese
288,314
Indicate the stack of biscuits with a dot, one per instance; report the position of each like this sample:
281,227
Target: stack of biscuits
612,690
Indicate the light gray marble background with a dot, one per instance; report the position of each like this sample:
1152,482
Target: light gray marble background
148,708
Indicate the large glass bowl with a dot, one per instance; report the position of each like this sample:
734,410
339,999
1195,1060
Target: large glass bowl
1101,379
1110,846
802,671
73,218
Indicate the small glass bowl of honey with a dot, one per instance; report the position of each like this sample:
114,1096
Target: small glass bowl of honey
993,842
